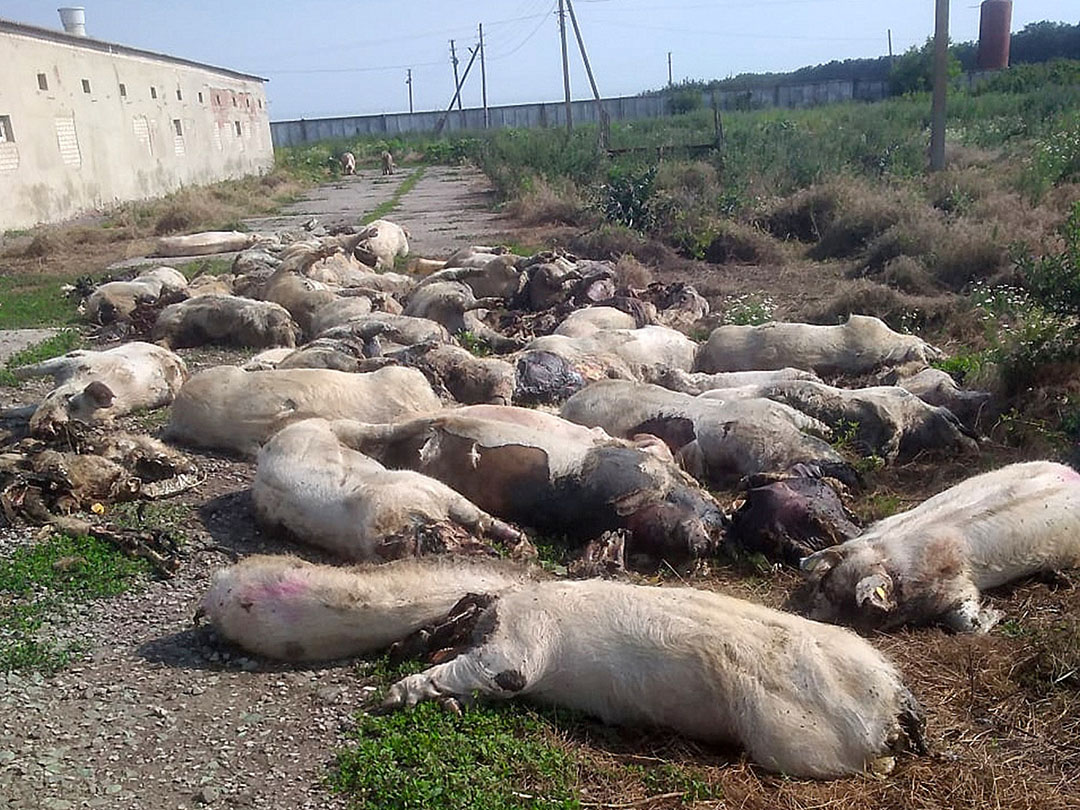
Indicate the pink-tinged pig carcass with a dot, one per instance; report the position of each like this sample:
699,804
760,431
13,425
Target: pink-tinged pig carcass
931,563
803,699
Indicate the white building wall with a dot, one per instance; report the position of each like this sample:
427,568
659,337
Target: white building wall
74,151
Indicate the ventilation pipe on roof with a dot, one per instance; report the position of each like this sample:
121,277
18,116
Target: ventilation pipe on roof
74,20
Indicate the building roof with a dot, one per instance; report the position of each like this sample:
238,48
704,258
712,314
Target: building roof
64,38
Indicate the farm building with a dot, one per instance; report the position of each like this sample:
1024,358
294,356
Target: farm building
86,123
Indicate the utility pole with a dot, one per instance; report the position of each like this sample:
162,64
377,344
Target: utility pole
941,80
457,94
408,81
483,79
565,67
669,78
601,113
891,60
454,62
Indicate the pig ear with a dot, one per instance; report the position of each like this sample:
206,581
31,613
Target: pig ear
100,394
820,561
877,590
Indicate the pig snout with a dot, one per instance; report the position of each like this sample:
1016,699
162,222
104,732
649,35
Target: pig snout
683,527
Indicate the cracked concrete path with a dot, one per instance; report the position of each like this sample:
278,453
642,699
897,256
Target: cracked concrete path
449,207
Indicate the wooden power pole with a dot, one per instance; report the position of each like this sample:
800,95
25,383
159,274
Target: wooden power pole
601,114
565,67
457,95
669,76
408,81
941,82
454,62
483,80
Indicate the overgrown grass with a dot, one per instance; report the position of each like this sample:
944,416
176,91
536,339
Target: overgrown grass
58,344
385,207
40,584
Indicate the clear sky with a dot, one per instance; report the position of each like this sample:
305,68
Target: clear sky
336,57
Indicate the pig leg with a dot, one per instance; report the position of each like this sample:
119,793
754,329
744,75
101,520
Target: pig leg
506,664
970,617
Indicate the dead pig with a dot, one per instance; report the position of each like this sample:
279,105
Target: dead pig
931,563
225,320
824,704
331,496
861,345
536,469
225,408
95,387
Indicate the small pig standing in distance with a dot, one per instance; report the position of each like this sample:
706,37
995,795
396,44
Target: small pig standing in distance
348,163
931,563
388,165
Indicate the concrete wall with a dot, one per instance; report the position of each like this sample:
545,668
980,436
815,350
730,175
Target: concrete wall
553,114
75,150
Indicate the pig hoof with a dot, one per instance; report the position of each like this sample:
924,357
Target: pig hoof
988,618
407,692
882,766
451,705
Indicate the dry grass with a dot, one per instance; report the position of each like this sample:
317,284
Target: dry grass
550,203
940,232
609,242
220,206
629,272
86,247
901,311
739,242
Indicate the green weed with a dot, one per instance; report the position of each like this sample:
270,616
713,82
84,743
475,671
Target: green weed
748,310
28,301
485,759
207,267
172,517
475,344
38,586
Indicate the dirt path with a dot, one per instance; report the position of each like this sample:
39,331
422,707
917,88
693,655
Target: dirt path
155,714
449,207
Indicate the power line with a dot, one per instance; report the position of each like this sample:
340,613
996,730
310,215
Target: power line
353,70
412,37
734,34
527,39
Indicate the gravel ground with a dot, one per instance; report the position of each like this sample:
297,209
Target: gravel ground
156,713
